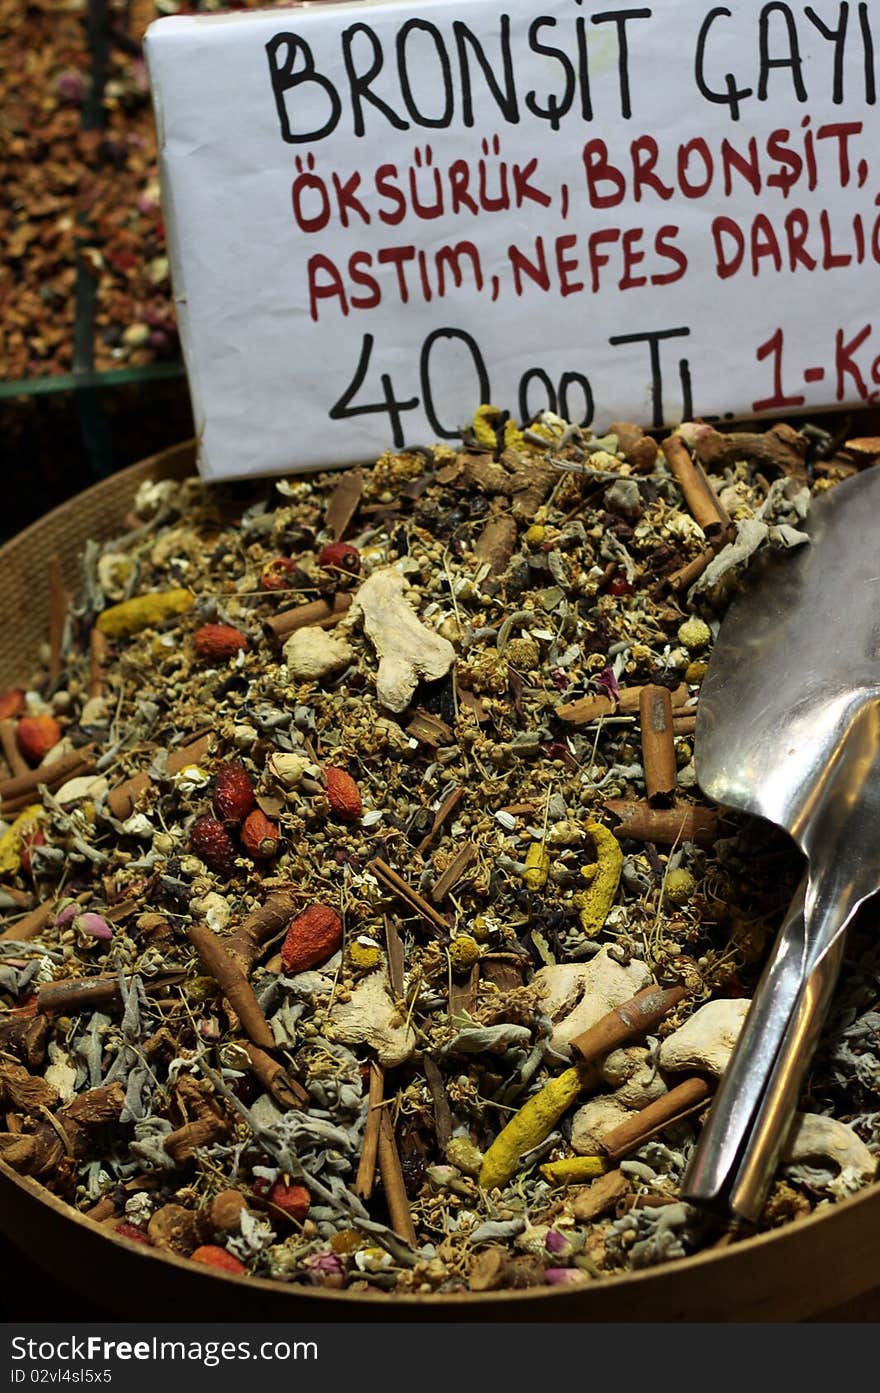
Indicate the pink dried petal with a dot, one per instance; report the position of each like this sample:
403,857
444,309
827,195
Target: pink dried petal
94,925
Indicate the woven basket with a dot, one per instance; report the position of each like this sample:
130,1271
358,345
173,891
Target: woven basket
790,1274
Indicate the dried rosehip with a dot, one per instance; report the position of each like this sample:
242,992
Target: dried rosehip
312,938
343,795
124,1230
276,574
210,841
259,836
340,556
233,793
294,1200
216,643
212,1256
36,736
11,703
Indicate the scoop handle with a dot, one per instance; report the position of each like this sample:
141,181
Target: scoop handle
768,1132
734,1161
717,1157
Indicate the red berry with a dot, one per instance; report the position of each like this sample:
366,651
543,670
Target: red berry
340,556
312,938
276,574
211,842
212,1256
11,703
259,836
125,1230
233,793
36,736
343,795
217,643
293,1199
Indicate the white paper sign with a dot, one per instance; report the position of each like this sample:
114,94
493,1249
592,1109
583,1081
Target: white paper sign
382,215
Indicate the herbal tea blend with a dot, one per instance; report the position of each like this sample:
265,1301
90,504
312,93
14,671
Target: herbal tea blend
364,925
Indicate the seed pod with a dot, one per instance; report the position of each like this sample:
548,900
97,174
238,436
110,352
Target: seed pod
212,1256
211,842
340,556
217,643
233,793
276,574
259,836
312,938
343,795
11,703
36,736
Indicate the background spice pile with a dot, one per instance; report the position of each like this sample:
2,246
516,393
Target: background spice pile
349,827
85,270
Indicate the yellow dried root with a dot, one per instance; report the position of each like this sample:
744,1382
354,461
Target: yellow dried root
534,1121
604,878
485,426
574,1169
537,867
10,842
143,612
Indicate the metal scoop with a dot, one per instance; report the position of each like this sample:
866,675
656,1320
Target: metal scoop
788,728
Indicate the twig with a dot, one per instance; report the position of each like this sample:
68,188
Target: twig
366,1174
398,886
234,985
18,765
393,1183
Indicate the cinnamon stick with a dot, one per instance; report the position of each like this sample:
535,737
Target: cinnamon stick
463,995
679,1102
393,1183
183,1144
440,1099
396,964
684,725
260,925
366,1173
453,873
343,502
317,612
78,993
591,708
398,886
15,792
287,1092
98,651
121,800
658,746
32,925
495,543
684,577
447,809
698,493
233,983
663,825
634,1017
18,765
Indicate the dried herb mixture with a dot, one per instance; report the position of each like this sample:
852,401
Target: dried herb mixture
344,804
